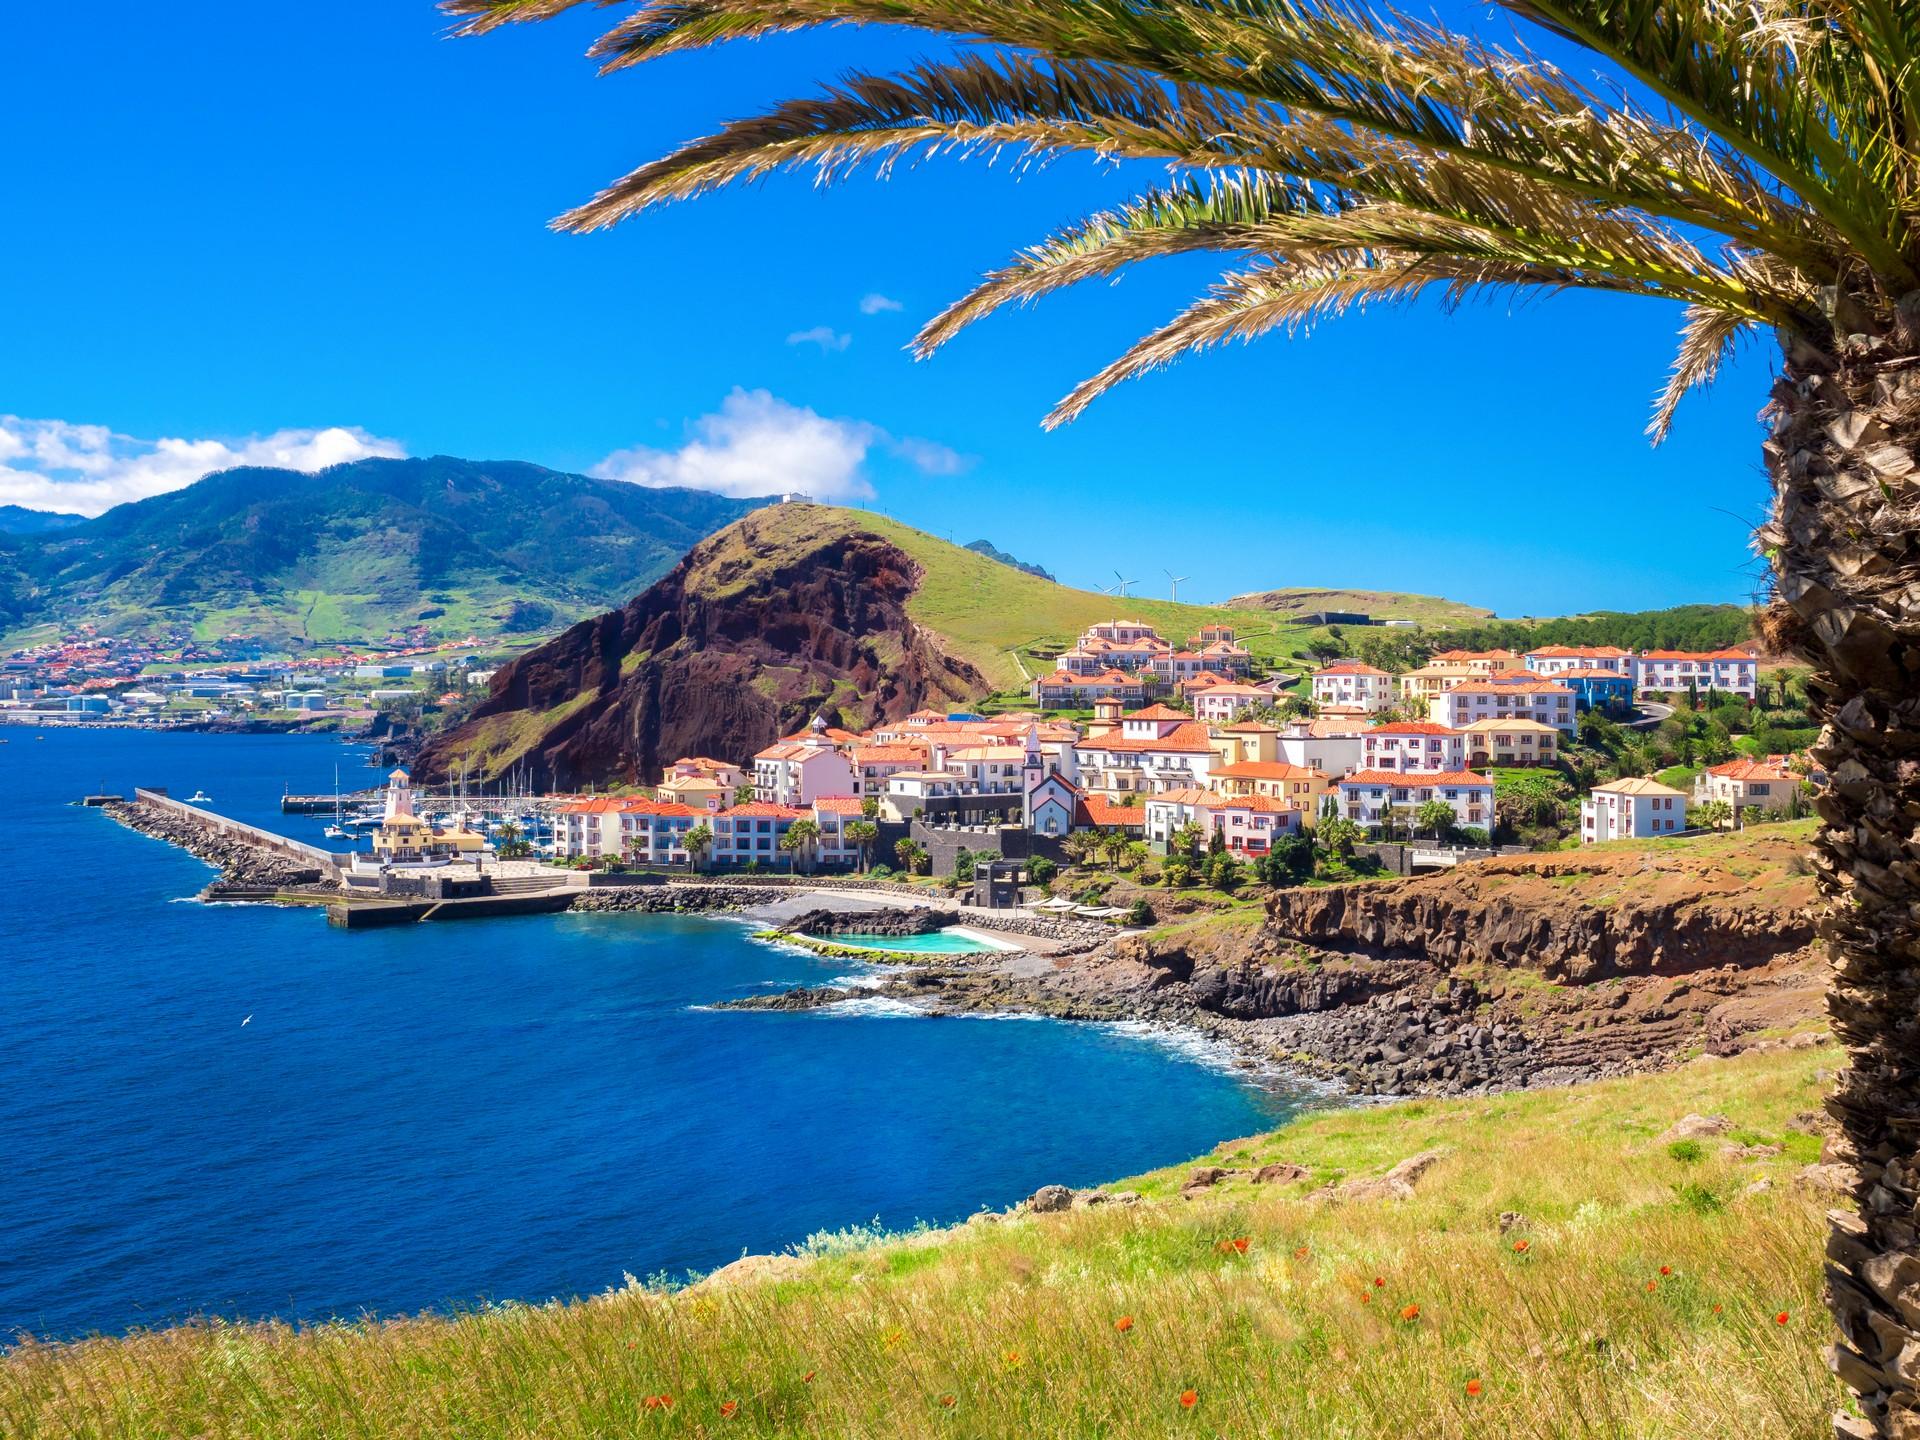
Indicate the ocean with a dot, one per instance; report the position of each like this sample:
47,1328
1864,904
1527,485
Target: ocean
239,1111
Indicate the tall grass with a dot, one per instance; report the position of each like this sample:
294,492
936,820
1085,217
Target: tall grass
1640,1296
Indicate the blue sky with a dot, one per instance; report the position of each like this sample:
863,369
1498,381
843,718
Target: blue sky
229,226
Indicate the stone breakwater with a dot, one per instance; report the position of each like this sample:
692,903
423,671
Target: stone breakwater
244,868
673,899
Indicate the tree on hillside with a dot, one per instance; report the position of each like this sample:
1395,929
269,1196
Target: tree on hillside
1767,183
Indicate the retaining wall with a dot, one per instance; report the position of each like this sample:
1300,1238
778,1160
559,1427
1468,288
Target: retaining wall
252,834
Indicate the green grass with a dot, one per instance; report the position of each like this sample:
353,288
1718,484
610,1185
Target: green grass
1643,1305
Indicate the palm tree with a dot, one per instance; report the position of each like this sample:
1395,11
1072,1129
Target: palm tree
698,841
1768,182
863,833
799,842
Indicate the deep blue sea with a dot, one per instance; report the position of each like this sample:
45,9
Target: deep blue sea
454,1113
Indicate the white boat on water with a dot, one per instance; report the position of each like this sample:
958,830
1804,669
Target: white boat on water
334,832
199,797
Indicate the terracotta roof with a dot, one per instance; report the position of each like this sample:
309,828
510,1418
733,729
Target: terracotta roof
1157,712
1474,655
1533,687
1638,786
1190,738
1184,795
1591,675
1250,727
1418,779
1259,804
760,809
1772,768
1581,652
1522,725
1236,687
888,754
1413,727
1337,727
1348,667
839,805
988,753
1098,810
1264,770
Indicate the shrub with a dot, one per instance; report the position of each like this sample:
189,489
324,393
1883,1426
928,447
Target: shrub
1139,914
1686,1151
1041,870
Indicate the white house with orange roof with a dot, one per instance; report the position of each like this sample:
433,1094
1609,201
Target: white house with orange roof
1353,686
796,771
1224,703
1503,698
1246,824
1749,784
751,834
1154,749
874,763
1553,659
1417,687
1413,745
833,813
1064,690
1370,797
651,832
1672,672
1631,809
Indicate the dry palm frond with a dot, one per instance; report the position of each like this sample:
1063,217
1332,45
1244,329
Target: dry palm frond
1706,340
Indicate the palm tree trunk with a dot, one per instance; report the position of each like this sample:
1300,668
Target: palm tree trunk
1845,541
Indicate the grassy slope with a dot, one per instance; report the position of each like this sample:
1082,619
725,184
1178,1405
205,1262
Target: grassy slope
1580,1335
1380,604
987,610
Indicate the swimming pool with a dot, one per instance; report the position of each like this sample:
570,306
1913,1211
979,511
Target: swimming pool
939,942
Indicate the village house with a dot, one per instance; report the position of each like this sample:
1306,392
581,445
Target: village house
1247,825
1674,672
1097,812
1065,690
1299,785
1370,798
1505,698
1224,703
1352,686
750,835
873,765
1481,662
1417,687
793,772
1748,784
1151,750
1607,691
702,783
1631,809
1330,744
835,849
1557,659
1244,740
1511,742
1413,745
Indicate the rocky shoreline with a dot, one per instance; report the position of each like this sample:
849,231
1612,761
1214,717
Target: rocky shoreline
245,869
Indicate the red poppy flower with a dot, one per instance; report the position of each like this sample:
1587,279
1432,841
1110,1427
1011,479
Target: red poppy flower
1189,1399
1522,1246
1241,1244
1412,1312
1378,1283
1666,1269
1013,1357
1781,1318
1473,1387
947,1401
727,1408
1716,1309
1123,1324
1301,1253
1652,1285
1365,1297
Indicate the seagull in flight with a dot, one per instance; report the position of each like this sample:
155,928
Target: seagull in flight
246,1022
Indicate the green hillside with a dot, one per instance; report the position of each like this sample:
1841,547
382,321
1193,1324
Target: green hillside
1378,604
356,553
1560,1270
1007,623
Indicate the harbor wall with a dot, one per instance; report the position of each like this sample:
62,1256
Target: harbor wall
252,834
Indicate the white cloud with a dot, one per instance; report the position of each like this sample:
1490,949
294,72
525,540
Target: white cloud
874,303
759,444
825,336
86,469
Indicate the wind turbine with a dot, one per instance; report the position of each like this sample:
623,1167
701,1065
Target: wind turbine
1176,579
1124,583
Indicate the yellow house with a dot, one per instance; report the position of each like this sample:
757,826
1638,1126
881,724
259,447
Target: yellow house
1510,742
1246,740
403,835
1433,678
1275,779
702,783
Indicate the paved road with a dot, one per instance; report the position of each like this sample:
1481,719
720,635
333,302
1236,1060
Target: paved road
1652,712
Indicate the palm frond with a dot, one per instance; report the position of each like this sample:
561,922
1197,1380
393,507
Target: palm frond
1245,305
1706,340
1284,220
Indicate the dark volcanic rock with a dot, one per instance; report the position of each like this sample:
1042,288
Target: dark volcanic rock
790,613
802,999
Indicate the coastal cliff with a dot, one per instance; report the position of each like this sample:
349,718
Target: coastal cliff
789,613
